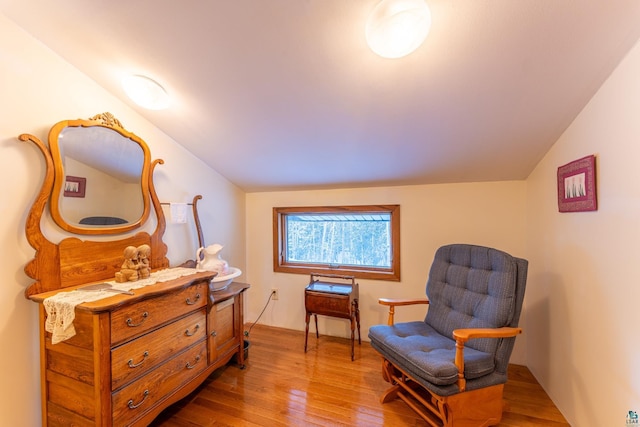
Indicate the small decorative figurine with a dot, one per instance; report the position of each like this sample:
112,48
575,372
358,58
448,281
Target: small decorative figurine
129,270
144,270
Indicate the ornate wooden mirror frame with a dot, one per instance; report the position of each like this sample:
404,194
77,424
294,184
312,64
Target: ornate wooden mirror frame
116,158
73,261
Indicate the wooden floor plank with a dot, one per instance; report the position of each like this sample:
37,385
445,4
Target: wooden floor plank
283,386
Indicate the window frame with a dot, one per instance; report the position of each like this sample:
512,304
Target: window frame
280,264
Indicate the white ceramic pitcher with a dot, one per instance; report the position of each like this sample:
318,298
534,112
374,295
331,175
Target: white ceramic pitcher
209,259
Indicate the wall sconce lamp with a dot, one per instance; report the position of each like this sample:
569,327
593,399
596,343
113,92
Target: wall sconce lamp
396,28
146,92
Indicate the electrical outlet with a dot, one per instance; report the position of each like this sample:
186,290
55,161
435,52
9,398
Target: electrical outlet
274,292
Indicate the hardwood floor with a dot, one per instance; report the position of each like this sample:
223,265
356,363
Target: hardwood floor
283,386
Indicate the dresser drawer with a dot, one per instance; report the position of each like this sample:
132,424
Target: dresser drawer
135,358
136,319
142,395
328,304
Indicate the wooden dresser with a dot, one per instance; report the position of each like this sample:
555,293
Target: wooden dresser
131,355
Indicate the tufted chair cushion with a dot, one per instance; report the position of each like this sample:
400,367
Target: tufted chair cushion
468,287
471,287
425,351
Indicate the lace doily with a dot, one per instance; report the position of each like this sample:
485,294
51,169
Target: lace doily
61,307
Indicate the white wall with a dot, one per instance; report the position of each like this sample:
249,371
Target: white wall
37,90
491,214
584,293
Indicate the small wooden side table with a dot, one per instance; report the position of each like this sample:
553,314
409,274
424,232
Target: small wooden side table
332,299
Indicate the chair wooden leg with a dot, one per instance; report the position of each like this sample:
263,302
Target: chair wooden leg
482,407
476,408
407,390
388,371
390,394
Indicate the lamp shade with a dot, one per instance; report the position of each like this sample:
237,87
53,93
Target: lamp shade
396,28
146,92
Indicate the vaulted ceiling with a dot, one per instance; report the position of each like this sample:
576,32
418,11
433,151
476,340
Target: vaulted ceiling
285,94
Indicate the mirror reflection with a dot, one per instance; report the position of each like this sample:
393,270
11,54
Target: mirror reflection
101,176
102,172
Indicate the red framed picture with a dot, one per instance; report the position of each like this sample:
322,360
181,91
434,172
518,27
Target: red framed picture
74,186
577,186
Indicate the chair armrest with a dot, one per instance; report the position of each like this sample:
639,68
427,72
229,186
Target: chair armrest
392,303
463,335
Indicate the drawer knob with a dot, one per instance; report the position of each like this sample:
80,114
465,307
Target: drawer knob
133,325
214,333
131,405
190,366
189,302
189,333
135,365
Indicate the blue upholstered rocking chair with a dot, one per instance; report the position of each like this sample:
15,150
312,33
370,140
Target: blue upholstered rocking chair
451,367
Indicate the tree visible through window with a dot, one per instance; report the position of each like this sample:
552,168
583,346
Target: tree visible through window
362,241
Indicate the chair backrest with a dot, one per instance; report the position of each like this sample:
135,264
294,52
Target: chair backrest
476,287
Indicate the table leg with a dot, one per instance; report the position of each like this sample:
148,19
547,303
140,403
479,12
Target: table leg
306,335
353,326
358,320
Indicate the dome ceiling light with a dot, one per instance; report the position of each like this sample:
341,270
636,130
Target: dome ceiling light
396,28
146,92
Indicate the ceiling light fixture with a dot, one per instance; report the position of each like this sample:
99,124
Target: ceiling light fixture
146,92
396,28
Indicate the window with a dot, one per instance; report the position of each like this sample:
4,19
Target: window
360,241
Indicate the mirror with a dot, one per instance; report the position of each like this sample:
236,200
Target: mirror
112,168
101,179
